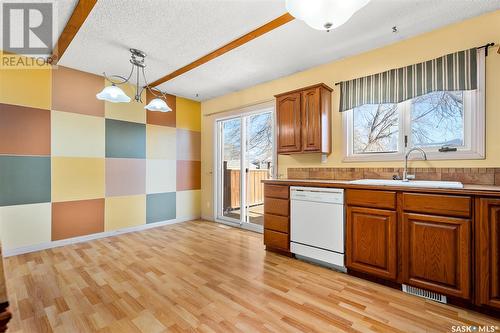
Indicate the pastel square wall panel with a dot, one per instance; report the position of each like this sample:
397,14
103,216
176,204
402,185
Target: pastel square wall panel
124,212
77,178
125,139
188,114
160,207
188,145
24,180
74,91
24,130
160,142
21,85
125,176
160,176
188,175
188,204
161,118
133,111
77,135
25,225
77,218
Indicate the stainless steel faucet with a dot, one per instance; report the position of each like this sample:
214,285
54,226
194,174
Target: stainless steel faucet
406,176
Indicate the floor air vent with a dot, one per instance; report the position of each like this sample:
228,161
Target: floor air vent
424,293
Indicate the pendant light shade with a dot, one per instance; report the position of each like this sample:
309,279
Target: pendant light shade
113,94
324,14
157,104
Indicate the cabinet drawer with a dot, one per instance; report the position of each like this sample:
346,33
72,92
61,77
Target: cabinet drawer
371,199
277,240
276,206
448,205
276,223
276,191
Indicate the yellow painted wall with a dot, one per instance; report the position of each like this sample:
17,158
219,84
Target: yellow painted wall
470,33
27,86
188,114
77,178
127,111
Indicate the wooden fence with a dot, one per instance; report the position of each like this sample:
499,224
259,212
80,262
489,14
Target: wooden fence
255,188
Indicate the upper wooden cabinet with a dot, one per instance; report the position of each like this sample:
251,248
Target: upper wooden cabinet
304,120
288,123
311,119
488,252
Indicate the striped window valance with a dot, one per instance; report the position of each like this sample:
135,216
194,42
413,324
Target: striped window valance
455,71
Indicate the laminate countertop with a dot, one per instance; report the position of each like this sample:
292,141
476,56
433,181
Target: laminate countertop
468,189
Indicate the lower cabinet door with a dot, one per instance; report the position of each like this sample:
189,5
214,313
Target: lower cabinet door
488,252
436,253
371,245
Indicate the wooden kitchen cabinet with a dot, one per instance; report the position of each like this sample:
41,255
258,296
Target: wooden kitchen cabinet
436,253
288,124
438,204
371,242
304,120
371,199
436,243
311,119
277,218
487,241
5,314
443,241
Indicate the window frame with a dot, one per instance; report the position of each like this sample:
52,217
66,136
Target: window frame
474,118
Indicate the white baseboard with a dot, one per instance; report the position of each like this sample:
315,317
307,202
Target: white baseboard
80,239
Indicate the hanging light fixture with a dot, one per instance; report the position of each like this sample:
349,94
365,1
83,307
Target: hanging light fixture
324,14
114,94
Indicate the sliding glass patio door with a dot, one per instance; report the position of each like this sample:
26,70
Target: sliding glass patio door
230,169
244,158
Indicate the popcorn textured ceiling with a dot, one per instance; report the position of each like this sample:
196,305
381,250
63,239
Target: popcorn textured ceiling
174,33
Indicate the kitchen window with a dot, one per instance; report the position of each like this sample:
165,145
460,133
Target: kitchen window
446,124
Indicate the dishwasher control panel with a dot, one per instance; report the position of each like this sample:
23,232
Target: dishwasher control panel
318,194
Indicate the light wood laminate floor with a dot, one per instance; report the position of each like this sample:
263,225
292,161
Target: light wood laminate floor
206,277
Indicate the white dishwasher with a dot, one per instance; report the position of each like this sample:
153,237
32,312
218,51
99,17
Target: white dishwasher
317,224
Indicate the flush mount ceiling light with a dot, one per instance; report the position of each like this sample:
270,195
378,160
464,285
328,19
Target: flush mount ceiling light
114,94
324,14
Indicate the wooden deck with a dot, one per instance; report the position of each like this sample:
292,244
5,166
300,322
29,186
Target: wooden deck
205,277
255,188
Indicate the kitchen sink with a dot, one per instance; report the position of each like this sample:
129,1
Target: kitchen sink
411,183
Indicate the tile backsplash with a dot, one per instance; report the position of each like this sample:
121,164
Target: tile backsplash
477,176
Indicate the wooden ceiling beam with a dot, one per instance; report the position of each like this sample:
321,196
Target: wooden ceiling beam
277,22
75,22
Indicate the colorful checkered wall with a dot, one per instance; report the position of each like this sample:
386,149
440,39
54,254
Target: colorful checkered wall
71,165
